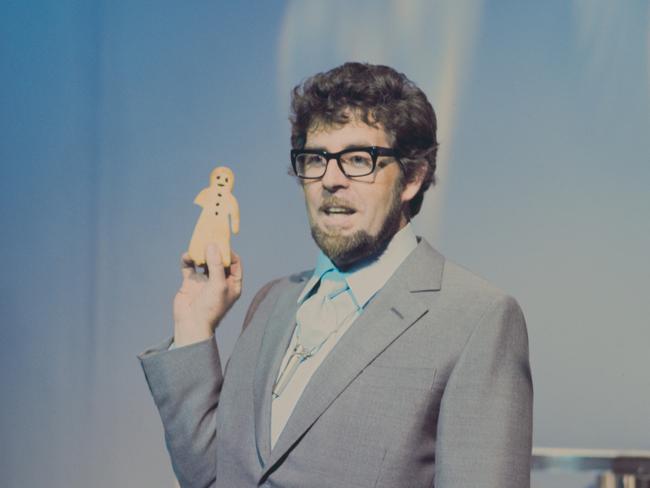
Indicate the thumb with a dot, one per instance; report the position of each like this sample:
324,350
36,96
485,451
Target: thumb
214,262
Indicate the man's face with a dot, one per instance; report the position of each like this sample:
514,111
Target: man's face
351,219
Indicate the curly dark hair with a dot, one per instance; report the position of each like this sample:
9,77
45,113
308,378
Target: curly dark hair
379,96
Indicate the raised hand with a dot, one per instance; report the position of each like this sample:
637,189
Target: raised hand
204,298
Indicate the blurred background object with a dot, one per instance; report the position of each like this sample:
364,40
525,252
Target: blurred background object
614,468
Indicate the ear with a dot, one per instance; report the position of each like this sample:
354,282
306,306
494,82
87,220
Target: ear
412,187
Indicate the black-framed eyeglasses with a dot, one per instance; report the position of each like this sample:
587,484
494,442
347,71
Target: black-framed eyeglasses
311,164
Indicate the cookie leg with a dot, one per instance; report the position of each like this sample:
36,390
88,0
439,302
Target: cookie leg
197,250
224,247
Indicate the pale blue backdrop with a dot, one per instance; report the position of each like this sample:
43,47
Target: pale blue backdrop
112,114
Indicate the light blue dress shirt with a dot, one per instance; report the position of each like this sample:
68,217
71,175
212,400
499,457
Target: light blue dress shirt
369,276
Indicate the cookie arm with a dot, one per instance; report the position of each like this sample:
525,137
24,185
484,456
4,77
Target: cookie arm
202,198
234,215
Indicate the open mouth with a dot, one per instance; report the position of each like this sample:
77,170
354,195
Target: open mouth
337,210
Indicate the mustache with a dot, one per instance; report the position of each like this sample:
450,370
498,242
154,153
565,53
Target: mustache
336,202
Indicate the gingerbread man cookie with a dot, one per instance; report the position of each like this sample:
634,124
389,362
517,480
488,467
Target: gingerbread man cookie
220,213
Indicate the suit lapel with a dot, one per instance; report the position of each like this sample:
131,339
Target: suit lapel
277,335
397,306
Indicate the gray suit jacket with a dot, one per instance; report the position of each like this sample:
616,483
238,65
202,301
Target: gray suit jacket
431,384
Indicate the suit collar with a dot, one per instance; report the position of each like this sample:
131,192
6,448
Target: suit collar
423,269
402,301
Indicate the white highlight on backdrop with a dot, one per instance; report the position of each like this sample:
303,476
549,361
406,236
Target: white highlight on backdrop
602,27
430,41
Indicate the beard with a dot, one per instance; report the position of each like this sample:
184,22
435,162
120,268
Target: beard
345,251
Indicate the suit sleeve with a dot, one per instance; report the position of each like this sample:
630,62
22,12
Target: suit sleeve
485,424
185,383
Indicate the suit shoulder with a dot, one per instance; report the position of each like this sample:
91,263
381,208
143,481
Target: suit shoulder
271,291
459,283
479,308
301,276
276,285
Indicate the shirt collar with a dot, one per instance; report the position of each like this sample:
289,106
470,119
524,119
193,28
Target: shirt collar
367,278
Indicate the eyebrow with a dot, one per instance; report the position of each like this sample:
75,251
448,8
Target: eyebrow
349,146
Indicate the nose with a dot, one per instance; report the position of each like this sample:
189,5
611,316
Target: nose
334,177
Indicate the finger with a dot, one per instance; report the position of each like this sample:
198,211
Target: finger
214,262
187,265
236,270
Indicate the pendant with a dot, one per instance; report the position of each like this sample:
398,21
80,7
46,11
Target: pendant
298,355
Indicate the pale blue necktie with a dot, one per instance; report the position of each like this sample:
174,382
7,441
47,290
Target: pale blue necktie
318,318
325,311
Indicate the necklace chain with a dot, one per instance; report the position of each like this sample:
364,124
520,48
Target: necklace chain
300,354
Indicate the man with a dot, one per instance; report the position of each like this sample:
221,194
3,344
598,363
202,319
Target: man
387,365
